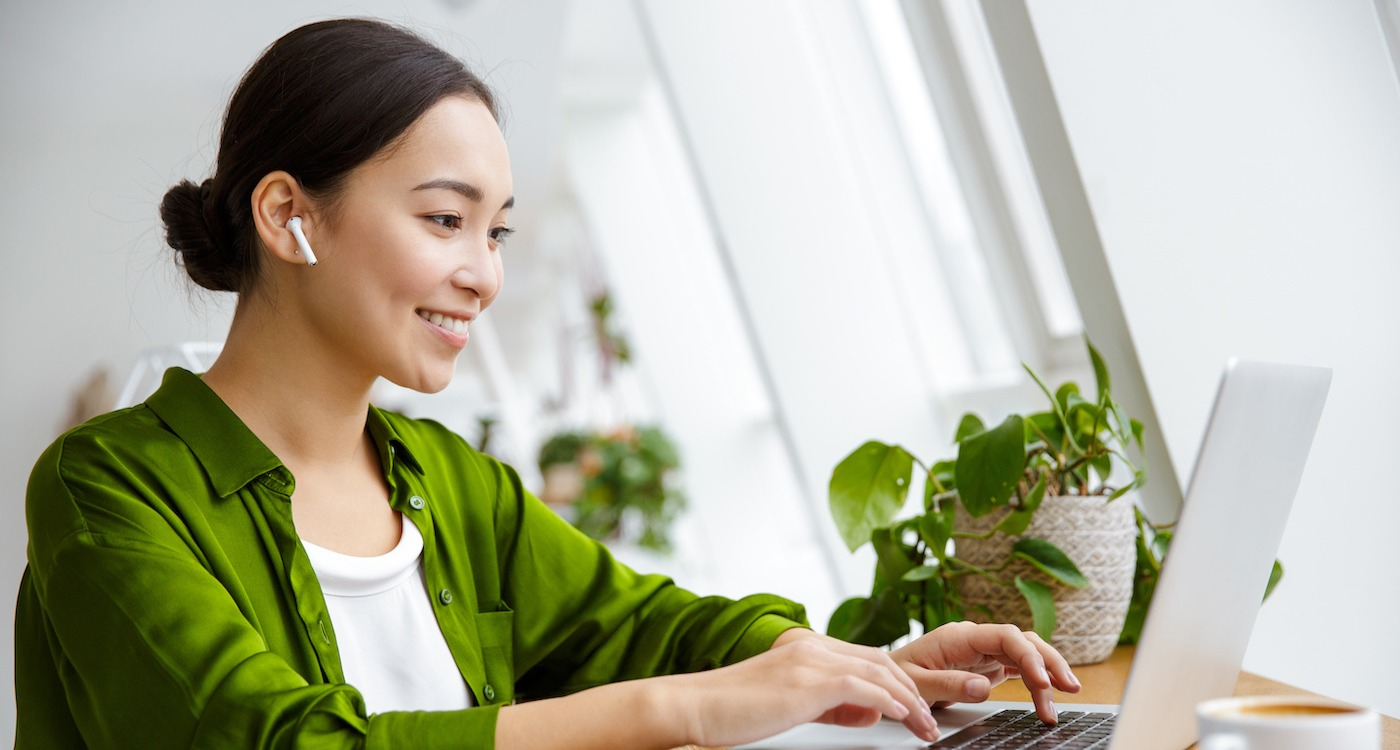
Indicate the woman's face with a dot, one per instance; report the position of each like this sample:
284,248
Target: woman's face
411,254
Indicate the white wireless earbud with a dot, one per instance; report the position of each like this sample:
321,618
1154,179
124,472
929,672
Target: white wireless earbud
294,226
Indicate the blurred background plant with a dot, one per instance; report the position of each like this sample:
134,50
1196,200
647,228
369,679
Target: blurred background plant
617,485
614,477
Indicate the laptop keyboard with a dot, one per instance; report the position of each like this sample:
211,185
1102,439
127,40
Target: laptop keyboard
1023,729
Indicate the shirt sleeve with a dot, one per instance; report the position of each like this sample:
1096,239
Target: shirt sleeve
131,642
584,619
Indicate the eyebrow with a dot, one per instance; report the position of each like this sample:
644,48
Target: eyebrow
467,190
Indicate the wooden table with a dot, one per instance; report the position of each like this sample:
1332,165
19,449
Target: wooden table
1104,683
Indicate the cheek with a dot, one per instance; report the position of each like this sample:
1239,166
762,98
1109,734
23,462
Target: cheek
410,273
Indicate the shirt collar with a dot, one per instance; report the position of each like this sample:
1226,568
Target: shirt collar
389,442
230,453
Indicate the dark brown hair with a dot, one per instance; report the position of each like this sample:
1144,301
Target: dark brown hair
322,100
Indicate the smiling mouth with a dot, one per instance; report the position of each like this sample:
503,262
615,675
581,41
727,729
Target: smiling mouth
454,325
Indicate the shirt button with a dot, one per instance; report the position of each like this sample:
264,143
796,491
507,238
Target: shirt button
445,596
489,692
416,502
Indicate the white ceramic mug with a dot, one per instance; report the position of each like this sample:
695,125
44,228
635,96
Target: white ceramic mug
1286,722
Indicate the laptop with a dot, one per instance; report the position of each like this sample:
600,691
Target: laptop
1193,643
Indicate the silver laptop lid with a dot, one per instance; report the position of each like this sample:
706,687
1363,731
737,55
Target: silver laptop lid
1247,474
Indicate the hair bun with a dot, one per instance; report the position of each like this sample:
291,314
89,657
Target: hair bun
192,229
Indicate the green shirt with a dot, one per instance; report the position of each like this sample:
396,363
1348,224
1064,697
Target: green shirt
169,603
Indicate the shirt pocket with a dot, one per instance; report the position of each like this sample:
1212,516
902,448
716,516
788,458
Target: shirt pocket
497,632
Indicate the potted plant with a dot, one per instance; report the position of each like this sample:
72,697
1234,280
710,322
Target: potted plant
1020,526
614,482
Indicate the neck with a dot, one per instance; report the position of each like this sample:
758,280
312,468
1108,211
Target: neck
305,401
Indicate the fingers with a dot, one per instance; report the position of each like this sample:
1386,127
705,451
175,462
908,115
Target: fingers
944,686
855,696
1060,674
866,677
996,651
876,668
1024,654
875,656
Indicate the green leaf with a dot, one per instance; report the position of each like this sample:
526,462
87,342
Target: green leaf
877,621
1144,584
1103,465
1161,541
1062,395
1124,423
921,573
1016,522
1137,432
1152,544
1036,495
1042,601
1046,426
1275,576
867,489
1060,413
843,621
892,556
970,424
1050,560
1081,413
989,465
943,473
1100,369
936,527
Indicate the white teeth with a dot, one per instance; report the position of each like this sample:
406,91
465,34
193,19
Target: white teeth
455,325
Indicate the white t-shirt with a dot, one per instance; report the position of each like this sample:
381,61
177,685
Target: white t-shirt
391,648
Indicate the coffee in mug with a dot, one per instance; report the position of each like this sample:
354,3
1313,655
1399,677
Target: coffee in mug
1286,722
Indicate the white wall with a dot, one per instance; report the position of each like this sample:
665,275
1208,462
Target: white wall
1243,163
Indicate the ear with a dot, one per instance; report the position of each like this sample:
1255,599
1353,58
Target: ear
277,198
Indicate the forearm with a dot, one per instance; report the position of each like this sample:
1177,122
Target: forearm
639,714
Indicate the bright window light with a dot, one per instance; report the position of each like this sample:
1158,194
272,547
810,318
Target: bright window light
924,140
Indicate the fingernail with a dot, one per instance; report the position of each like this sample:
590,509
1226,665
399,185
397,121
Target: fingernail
976,690
930,727
1074,680
927,717
901,710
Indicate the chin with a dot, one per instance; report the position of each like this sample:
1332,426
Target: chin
423,382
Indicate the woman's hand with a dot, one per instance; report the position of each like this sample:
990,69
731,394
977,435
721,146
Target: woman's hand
962,661
804,677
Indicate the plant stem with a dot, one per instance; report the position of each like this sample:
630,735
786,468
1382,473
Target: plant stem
990,575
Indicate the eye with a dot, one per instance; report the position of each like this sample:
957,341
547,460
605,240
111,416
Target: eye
446,221
500,234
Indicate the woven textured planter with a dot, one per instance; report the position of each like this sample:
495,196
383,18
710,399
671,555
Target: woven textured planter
1101,539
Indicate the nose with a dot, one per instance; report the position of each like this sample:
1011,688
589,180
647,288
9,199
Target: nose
480,270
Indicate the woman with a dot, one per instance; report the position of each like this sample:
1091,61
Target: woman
259,557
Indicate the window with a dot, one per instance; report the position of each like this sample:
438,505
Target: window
808,230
